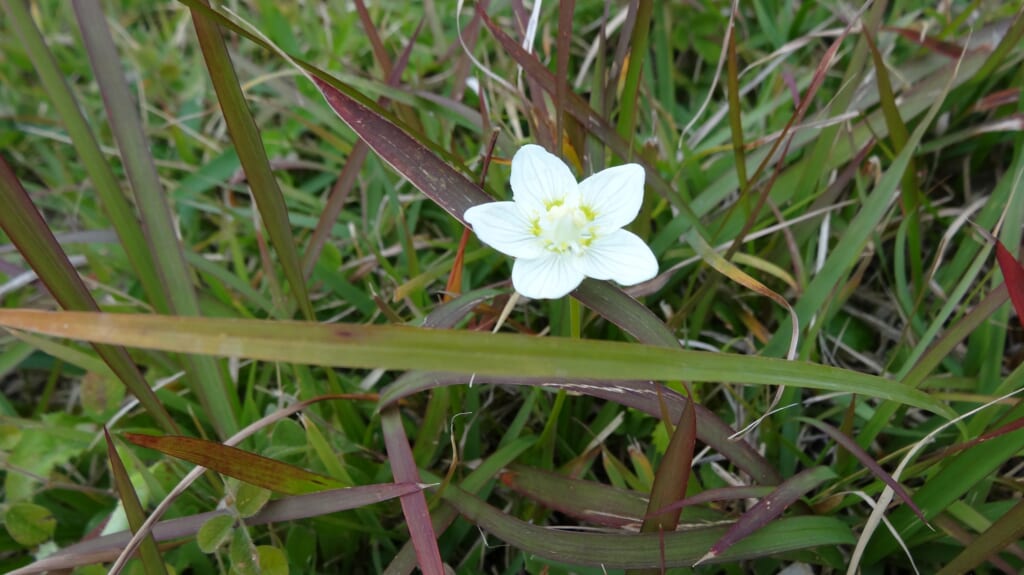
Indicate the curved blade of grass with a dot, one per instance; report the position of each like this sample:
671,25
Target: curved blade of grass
414,505
246,138
121,214
850,445
238,463
207,380
626,312
25,227
151,560
404,348
614,550
769,508
590,501
584,500
640,395
849,251
107,547
1005,531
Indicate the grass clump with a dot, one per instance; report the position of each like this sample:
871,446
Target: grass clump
252,223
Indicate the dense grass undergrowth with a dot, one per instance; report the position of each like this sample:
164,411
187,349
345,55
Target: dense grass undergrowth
234,237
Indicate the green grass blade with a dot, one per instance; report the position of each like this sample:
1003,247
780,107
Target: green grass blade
401,347
1007,530
121,214
151,560
679,549
845,255
207,379
24,225
252,155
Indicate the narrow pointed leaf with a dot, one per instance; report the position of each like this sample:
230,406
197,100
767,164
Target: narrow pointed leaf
403,348
24,225
414,505
769,509
621,550
673,474
1013,275
253,156
240,464
865,459
107,547
151,560
206,378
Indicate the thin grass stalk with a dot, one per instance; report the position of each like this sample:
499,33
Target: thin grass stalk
24,225
207,380
122,215
246,137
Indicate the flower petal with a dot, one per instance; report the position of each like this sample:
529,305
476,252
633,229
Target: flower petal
614,194
621,256
503,226
547,277
539,178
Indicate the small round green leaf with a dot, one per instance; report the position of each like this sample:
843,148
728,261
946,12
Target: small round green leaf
250,499
214,533
272,560
29,524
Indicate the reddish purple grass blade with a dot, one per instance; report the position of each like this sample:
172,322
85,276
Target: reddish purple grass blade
108,547
414,505
1013,275
424,170
866,460
769,508
673,475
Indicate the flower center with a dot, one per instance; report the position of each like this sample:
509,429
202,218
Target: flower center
564,227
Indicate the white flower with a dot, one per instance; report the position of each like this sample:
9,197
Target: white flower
561,231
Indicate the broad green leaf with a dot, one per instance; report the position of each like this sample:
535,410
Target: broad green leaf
272,560
249,499
215,532
29,524
40,448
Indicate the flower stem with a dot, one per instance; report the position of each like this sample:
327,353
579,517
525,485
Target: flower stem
575,318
